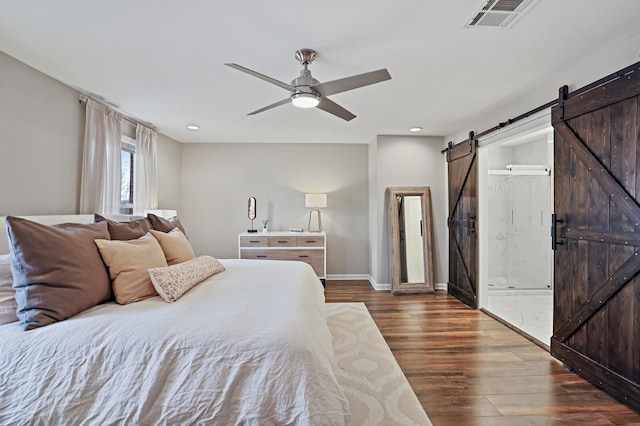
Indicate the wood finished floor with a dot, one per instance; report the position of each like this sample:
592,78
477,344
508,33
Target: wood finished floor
468,369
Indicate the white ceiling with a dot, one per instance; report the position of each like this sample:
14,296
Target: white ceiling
161,61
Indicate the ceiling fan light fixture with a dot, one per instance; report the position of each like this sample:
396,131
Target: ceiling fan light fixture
307,92
305,100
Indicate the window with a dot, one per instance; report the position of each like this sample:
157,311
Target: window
127,155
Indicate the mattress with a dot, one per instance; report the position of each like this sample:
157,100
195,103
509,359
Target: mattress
249,346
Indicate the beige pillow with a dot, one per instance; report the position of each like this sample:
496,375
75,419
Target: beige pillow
175,246
129,262
174,281
8,304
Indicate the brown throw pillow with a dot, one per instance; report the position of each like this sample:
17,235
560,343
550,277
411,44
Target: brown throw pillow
165,225
129,263
175,246
57,270
125,230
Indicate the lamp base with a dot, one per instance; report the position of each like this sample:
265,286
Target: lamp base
318,228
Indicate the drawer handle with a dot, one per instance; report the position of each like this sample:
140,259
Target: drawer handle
281,242
303,255
261,255
311,241
253,241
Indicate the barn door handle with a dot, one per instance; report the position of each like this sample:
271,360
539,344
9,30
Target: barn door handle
472,224
554,231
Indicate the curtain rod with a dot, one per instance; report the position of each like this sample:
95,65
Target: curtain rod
83,99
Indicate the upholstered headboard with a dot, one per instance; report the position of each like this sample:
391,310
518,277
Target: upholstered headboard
53,220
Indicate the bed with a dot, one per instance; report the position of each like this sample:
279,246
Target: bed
248,346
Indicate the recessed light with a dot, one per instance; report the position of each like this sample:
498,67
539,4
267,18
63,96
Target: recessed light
415,129
193,127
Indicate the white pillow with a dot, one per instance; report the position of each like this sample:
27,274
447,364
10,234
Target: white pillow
8,304
173,281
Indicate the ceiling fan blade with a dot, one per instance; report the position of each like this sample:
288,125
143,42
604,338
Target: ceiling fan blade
335,109
261,76
348,83
282,102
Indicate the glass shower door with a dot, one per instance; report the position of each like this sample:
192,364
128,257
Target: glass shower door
528,240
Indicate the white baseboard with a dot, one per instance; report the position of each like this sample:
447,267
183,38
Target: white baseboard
376,286
387,287
347,277
441,286
353,277
381,287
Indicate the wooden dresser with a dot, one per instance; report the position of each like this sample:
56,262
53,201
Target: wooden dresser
309,247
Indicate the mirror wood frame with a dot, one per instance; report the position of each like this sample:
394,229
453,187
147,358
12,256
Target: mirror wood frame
391,194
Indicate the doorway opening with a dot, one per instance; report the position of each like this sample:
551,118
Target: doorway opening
516,201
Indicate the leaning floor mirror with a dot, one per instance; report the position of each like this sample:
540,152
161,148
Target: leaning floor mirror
410,239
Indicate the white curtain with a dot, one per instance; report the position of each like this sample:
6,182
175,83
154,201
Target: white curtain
101,175
145,182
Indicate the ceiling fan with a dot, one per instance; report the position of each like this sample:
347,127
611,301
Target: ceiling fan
307,92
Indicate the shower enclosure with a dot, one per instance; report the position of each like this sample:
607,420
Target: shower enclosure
519,199
516,202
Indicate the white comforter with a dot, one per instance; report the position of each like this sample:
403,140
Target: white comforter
249,346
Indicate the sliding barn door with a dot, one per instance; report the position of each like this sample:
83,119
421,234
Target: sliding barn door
463,207
597,233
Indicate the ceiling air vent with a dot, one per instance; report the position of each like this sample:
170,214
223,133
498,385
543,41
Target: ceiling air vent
499,13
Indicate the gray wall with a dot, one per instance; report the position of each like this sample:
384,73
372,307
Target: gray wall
41,138
406,161
169,173
41,131
586,70
376,224
217,179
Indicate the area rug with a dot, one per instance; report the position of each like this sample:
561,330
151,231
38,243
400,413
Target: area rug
377,390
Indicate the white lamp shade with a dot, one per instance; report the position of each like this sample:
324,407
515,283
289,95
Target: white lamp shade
162,213
315,201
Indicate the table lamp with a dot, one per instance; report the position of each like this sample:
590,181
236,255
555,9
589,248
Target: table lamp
315,202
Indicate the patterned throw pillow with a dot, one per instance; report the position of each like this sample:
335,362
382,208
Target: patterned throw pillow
172,282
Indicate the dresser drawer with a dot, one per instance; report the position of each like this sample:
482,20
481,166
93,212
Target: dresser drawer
310,241
282,241
315,258
254,241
